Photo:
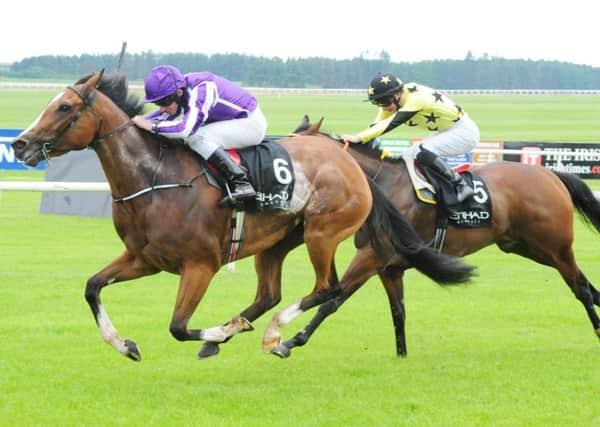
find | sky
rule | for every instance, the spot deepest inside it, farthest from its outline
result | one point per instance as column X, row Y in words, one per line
column 565, row 31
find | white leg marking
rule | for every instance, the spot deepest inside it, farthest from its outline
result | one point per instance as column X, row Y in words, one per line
column 289, row 313
column 272, row 336
column 216, row 334
column 108, row 331
column 221, row 333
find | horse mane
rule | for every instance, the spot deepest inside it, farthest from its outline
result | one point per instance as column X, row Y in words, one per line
column 374, row 152
column 115, row 87
column 369, row 149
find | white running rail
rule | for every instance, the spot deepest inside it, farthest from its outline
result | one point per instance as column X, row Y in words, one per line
column 53, row 186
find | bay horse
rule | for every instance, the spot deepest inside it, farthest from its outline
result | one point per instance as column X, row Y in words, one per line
column 532, row 216
column 166, row 213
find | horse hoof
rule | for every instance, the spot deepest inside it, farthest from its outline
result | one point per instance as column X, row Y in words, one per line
column 133, row 351
column 246, row 325
column 208, row 349
column 271, row 340
column 282, row 351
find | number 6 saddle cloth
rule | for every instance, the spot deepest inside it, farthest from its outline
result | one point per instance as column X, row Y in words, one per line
column 271, row 173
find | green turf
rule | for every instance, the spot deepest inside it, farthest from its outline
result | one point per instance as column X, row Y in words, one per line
column 505, row 118
column 508, row 118
column 514, row 348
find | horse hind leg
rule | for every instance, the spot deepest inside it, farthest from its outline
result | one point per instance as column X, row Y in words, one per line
column 588, row 297
column 580, row 286
column 321, row 252
column 595, row 294
column 283, row 350
column 360, row 270
column 394, row 287
column 564, row 261
column 328, row 220
column 268, row 265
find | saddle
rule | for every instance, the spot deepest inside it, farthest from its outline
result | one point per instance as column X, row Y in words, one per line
column 259, row 162
column 474, row 212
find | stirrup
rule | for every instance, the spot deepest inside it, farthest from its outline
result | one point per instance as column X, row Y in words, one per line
column 231, row 199
column 244, row 191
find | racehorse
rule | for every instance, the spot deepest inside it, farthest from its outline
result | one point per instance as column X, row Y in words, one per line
column 532, row 216
column 166, row 213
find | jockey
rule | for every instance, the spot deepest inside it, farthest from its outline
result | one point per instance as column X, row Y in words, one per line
column 210, row 114
column 418, row 105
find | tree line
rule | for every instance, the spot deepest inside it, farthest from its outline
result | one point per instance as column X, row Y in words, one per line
column 317, row 72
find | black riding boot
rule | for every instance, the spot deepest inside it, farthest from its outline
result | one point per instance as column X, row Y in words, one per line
column 239, row 184
column 437, row 164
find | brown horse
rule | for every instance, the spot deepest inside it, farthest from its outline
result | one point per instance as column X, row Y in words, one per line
column 183, row 231
column 532, row 217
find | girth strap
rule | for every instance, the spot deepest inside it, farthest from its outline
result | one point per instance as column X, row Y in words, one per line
column 236, row 235
column 441, row 228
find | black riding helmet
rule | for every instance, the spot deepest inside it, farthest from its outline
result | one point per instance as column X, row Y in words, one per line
column 383, row 86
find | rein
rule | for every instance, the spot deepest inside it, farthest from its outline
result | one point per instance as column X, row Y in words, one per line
column 154, row 187
column 50, row 146
column 112, row 132
column 346, row 147
column 374, row 178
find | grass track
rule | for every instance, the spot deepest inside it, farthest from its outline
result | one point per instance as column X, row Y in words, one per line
column 512, row 349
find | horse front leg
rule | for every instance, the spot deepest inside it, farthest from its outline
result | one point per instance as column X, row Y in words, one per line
column 195, row 278
column 194, row 282
column 125, row 267
column 268, row 265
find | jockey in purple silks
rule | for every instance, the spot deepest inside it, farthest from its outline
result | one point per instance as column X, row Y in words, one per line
column 210, row 114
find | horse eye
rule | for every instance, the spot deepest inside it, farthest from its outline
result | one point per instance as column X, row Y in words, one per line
column 64, row 108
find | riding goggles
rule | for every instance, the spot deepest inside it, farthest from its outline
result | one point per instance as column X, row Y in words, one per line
column 383, row 102
column 167, row 100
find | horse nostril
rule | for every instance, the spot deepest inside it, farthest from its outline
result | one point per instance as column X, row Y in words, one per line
column 19, row 144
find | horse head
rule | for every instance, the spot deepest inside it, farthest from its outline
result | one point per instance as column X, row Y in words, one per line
column 72, row 120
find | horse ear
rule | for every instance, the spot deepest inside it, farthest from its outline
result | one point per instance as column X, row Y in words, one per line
column 315, row 127
column 91, row 84
column 304, row 124
column 320, row 122
column 100, row 75
column 94, row 81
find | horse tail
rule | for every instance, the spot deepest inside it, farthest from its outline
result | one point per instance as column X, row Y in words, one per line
column 583, row 198
column 385, row 221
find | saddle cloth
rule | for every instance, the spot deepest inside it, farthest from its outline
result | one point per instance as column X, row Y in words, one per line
column 472, row 213
column 271, row 173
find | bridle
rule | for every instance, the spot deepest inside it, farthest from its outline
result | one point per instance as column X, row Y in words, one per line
column 50, row 146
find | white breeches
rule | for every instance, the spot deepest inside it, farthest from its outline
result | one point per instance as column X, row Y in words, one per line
column 235, row 133
column 460, row 138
